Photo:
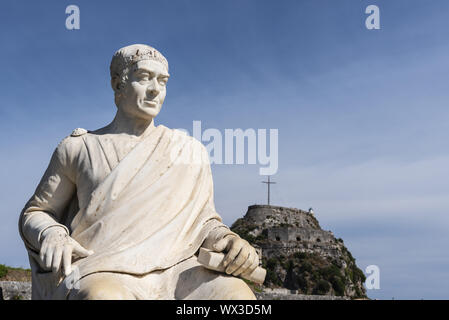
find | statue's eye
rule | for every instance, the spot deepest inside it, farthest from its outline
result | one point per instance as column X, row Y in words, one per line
column 143, row 76
column 163, row 81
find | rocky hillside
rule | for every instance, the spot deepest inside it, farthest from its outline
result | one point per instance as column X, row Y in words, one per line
column 14, row 274
column 298, row 254
column 15, row 283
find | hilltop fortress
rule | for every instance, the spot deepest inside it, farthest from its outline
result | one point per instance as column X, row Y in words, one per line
column 299, row 256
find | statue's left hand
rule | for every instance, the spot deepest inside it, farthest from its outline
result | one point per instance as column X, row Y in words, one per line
column 241, row 257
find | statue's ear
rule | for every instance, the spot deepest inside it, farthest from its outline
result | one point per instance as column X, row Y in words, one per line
column 115, row 83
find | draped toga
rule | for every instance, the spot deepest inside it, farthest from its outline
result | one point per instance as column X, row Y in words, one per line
column 139, row 212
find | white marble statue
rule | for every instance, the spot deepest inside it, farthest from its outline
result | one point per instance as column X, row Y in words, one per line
column 121, row 211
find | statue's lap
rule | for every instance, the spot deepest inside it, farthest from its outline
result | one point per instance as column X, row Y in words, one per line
column 186, row 280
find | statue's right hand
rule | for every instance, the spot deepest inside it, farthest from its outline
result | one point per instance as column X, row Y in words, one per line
column 57, row 248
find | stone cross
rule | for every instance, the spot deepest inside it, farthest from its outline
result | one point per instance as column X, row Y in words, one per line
column 268, row 184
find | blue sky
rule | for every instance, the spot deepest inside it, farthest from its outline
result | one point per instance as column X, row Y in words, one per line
column 362, row 115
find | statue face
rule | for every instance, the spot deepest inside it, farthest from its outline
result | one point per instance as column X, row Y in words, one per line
column 145, row 90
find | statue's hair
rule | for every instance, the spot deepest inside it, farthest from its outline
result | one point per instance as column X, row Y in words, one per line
column 125, row 57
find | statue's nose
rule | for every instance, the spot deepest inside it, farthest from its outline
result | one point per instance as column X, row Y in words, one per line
column 153, row 88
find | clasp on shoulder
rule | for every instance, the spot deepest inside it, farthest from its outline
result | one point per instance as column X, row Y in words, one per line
column 78, row 132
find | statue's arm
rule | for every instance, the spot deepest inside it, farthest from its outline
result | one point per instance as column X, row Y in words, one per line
column 221, row 230
column 45, row 208
column 240, row 256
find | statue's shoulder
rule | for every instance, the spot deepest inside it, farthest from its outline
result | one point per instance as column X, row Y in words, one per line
column 194, row 144
column 184, row 135
column 73, row 142
column 174, row 133
column 180, row 133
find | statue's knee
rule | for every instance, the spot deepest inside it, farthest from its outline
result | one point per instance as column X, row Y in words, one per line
column 103, row 289
column 242, row 291
column 232, row 288
column 106, row 291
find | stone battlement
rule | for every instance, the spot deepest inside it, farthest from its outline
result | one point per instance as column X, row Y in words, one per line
column 278, row 216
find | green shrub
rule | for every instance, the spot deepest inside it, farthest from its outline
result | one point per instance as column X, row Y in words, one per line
column 338, row 286
column 330, row 272
column 300, row 255
column 322, row 287
column 248, row 237
column 3, row 270
column 272, row 263
column 273, row 278
column 303, row 284
column 306, row 267
column 358, row 275
column 261, row 237
column 358, row 293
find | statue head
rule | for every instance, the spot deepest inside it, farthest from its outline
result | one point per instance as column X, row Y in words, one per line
column 139, row 75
